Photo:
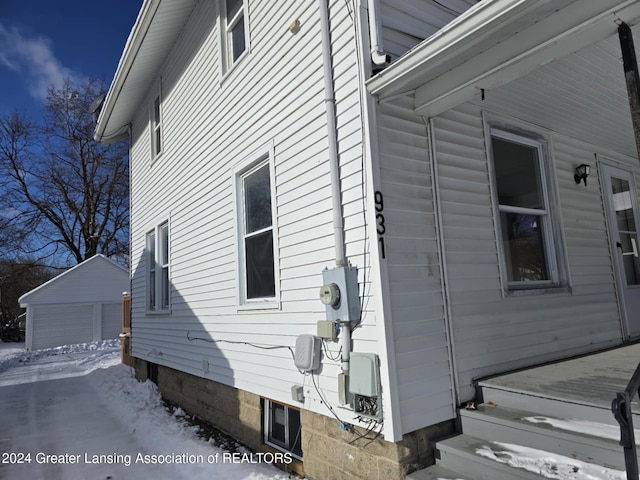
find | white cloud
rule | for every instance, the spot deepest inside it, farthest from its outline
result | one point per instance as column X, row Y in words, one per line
column 33, row 59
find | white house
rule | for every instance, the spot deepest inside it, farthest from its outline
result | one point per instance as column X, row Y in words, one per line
column 415, row 159
column 83, row 304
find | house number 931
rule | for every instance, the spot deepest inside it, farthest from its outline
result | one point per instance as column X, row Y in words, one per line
column 380, row 226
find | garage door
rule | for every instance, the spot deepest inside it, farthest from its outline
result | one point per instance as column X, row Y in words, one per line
column 64, row 325
column 111, row 320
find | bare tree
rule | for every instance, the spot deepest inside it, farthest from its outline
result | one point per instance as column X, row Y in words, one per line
column 67, row 191
column 17, row 277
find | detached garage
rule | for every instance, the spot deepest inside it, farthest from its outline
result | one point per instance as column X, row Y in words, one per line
column 83, row 304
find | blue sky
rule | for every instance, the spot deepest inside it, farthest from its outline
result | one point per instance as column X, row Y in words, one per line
column 44, row 41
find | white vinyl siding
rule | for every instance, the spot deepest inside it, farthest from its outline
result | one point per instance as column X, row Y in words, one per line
column 210, row 125
column 419, row 329
column 405, row 23
column 493, row 333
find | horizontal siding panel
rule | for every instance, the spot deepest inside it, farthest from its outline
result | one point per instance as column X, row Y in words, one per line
column 210, row 126
column 413, row 266
column 406, row 23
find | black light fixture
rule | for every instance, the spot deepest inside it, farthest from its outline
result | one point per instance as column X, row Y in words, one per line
column 582, row 172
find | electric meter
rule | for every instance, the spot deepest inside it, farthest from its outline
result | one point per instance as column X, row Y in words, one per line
column 330, row 294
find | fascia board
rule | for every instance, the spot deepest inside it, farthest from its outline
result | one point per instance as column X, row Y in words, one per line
column 129, row 54
column 455, row 40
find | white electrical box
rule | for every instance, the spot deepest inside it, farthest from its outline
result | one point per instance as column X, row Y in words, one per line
column 307, row 354
column 364, row 375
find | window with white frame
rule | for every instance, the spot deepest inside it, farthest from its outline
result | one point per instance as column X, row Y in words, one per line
column 257, row 233
column 156, row 127
column 522, row 191
column 282, row 428
column 158, row 288
column 234, row 30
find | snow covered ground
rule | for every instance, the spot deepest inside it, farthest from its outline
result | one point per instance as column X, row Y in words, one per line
column 75, row 412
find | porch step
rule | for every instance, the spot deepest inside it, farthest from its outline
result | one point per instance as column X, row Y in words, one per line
column 556, row 406
column 479, row 459
column 436, row 472
column 550, row 421
column 582, row 440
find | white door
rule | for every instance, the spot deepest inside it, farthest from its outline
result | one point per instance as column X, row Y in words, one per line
column 622, row 214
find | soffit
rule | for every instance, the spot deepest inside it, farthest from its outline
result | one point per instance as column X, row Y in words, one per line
column 582, row 95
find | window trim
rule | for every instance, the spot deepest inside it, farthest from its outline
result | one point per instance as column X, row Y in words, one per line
column 258, row 159
column 226, row 36
column 157, row 267
column 552, row 235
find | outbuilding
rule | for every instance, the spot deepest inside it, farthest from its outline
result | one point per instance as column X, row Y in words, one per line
column 83, row 304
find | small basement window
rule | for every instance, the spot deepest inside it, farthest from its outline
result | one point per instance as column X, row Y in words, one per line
column 282, row 428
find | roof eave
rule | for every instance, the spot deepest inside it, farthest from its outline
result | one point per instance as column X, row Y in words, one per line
column 129, row 54
column 495, row 42
column 158, row 26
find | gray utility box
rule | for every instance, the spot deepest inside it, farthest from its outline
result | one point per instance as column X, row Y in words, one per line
column 344, row 305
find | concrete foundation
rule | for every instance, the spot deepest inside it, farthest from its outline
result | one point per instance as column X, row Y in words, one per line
column 329, row 452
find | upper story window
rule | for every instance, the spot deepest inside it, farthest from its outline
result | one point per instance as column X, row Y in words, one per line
column 528, row 229
column 158, row 287
column 156, row 127
column 234, row 37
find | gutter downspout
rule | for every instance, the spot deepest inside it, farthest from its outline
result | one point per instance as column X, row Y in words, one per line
column 378, row 57
column 332, row 133
column 334, row 167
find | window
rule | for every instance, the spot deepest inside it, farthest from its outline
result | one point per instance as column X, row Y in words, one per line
column 158, row 288
column 234, row 36
column 526, row 227
column 156, row 127
column 282, row 428
column 257, row 233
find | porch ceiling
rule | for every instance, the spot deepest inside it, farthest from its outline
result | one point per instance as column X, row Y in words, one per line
column 582, row 95
column 501, row 41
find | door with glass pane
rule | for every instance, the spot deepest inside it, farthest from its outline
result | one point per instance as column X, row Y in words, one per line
column 622, row 205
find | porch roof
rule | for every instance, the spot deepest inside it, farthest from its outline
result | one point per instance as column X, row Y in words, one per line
column 495, row 42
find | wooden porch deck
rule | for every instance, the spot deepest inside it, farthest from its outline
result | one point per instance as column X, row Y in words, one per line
column 590, row 380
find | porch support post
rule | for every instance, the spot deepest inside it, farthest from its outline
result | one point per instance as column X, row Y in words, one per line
column 632, row 78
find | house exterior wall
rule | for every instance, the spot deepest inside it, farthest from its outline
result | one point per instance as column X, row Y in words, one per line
column 419, row 332
column 494, row 332
column 211, row 124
